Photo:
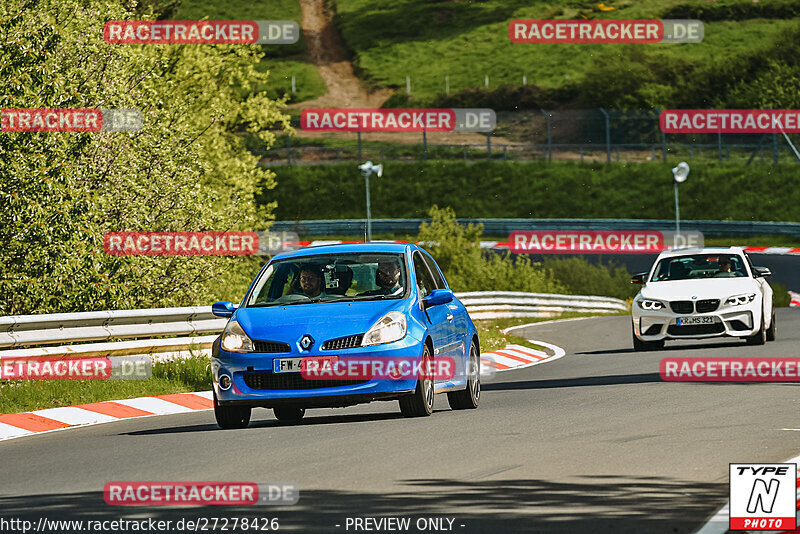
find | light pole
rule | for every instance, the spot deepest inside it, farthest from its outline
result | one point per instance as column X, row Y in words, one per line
column 366, row 169
column 679, row 175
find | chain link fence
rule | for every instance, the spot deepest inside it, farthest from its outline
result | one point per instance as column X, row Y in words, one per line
column 586, row 135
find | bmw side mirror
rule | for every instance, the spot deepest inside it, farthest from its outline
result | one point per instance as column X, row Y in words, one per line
column 762, row 272
column 638, row 278
column 437, row 297
column 223, row 309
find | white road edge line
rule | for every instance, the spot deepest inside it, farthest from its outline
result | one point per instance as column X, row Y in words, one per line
column 719, row 522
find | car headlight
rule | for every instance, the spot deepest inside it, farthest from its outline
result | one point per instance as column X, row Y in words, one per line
column 648, row 304
column 390, row 327
column 234, row 339
column 738, row 300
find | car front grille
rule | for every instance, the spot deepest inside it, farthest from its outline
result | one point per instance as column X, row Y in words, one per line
column 695, row 329
column 682, row 306
column 284, row 381
column 348, row 342
column 709, row 305
column 271, row 346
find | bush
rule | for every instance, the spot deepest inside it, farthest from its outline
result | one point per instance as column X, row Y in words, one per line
column 781, row 297
column 457, row 250
column 580, row 277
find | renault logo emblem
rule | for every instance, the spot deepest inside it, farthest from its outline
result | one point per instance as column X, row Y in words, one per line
column 306, row 342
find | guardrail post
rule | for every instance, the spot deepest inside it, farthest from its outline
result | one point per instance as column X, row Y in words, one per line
column 608, row 135
column 359, row 146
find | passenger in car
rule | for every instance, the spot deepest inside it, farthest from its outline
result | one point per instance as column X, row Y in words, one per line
column 387, row 278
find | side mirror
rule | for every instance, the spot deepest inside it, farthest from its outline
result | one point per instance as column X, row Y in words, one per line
column 437, row 296
column 223, row 309
column 762, row 272
column 638, row 278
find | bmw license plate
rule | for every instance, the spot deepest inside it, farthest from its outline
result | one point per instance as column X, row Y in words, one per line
column 680, row 321
column 286, row 365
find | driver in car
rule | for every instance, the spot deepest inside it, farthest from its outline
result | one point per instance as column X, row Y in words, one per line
column 725, row 268
column 311, row 282
column 387, row 278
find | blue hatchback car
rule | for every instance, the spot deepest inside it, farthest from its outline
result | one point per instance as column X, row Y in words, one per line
column 376, row 301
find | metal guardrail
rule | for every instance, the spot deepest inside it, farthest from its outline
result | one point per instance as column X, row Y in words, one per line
column 506, row 226
column 33, row 331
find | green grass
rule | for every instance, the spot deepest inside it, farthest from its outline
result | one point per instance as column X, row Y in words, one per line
column 467, row 41
column 283, row 61
column 179, row 376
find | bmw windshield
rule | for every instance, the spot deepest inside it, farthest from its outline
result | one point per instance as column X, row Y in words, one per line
column 330, row 278
column 700, row 266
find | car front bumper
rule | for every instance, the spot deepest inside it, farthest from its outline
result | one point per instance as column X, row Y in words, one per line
column 734, row 321
column 253, row 383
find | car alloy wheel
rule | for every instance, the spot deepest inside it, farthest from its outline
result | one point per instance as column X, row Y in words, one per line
column 468, row 398
column 420, row 403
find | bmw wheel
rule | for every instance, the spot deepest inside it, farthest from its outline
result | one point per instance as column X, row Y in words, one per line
column 771, row 329
column 760, row 337
column 420, row 403
column 467, row 399
column 231, row 416
column 639, row 345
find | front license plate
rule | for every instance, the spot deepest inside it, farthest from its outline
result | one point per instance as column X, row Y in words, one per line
column 286, row 365
column 680, row 321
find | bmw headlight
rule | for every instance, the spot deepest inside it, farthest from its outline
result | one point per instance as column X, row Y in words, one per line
column 648, row 304
column 390, row 327
column 234, row 339
column 738, row 300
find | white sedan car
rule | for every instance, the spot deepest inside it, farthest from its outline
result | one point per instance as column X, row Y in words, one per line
column 702, row 293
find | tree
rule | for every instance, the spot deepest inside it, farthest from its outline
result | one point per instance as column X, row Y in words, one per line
column 187, row 169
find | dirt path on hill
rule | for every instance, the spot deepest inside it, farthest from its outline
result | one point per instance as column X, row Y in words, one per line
column 326, row 51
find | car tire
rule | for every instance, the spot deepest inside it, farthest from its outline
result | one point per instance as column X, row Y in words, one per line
column 640, row 346
column 420, row 403
column 469, row 397
column 771, row 329
column 231, row 416
column 760, row 337
column 290, row 415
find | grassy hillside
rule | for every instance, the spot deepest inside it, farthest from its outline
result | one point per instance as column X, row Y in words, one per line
column 467, row 41
column 283, row 61
column 532, row 189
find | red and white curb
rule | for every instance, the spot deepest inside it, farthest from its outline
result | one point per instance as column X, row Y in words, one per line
column 795, row 298
column 16, row 425
column 514, row 357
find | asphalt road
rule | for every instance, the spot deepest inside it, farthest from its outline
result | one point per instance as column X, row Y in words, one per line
column 592, row 442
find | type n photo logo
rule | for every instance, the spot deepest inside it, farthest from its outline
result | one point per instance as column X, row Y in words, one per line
column 763, row 496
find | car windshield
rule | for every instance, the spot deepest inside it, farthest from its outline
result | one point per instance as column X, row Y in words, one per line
column 699, row 266
column 330, row 278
